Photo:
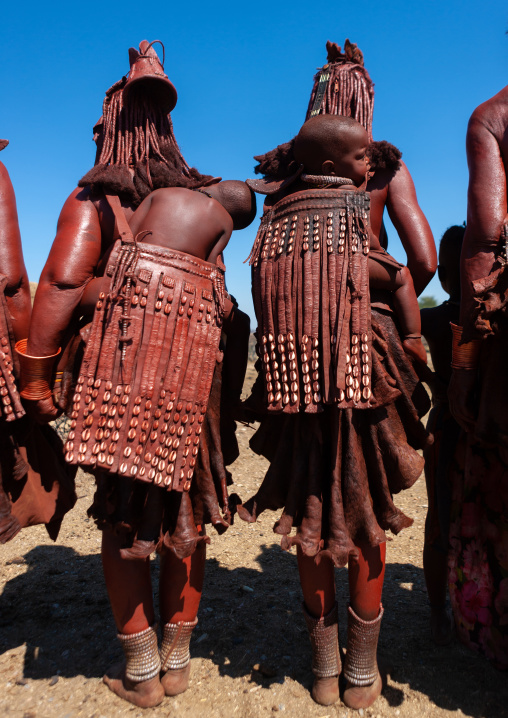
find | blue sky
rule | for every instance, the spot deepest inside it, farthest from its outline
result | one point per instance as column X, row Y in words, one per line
column 244, row 75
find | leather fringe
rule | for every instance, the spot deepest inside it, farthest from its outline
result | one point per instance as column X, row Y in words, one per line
column 311, row 296
column 144, row 383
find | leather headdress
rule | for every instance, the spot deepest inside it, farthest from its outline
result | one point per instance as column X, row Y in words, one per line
column 147, row 76
column 343, row 86
column 352, row 53
column 3, row 144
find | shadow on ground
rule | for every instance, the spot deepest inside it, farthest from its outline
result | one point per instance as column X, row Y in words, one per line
column 59, row 608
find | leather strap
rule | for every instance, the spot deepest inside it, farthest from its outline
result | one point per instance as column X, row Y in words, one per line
column 122, row 229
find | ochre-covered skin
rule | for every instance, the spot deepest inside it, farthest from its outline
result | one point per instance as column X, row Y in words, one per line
column 331, row 148
column 17, row 290
column 157, row 519
column 349, row 91
column 487, row 156
column 84, row 240
column 82, row 244
column 396, row 192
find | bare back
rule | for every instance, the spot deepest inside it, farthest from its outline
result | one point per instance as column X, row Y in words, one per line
column 487, row 201
column 186, row 220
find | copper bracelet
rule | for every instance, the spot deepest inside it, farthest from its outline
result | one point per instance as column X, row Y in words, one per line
column 35, row 373
column 464, row 356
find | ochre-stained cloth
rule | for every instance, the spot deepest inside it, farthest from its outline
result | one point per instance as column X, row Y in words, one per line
column 149, row 517
column 36, row 485
column 334, row 473
column 478, row 559
column 491, row 323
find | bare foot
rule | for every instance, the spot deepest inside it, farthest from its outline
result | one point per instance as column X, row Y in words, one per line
column 440, row 625
column 176, row 681
column 357, row 697
column 146, row 694
column 325, row 691
column 414, row 347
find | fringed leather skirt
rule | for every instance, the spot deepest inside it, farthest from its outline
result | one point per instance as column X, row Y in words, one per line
column 334, row 473
column 150, row 518
column 146, row 417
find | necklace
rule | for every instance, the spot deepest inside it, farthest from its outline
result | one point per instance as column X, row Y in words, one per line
column 326, row 179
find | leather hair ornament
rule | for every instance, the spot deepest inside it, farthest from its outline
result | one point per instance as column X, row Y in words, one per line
column 147, row 76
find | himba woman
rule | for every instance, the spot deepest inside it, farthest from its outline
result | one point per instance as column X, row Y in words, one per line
column 340, row 398
column 139, row 418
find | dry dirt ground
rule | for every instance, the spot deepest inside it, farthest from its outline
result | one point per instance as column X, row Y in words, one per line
column 57, row 635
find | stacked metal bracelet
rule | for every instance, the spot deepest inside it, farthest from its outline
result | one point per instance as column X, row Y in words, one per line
column 35, row 373
column 176, row 637
column 141, row 654
column 464, row 356
column 360, row 666
column 323, row 634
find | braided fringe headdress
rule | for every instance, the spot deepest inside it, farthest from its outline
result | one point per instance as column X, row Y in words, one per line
column 343, row 86
column 137, row 134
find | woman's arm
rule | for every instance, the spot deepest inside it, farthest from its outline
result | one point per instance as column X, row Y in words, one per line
column 412, row 227
column 70, row 266
column 17, row 292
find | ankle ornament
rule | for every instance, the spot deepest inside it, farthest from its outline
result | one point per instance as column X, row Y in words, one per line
column 360, row 665
column 141, row 655
column 175, row 653
column 323, row 634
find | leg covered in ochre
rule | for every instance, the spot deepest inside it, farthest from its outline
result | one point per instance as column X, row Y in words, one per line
column 320, row 611
column 130, row 593
column 363, row 682
column 181, row 584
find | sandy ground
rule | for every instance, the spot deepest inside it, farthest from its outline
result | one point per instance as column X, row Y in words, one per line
column 57, row 635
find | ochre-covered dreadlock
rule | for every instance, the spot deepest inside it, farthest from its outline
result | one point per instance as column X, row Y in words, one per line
column 137, row 136
column 341, row 87
column 278, row 163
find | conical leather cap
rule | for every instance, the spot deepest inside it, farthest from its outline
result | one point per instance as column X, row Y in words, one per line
column 147, row 77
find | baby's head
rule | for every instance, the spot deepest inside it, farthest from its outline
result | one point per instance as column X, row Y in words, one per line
column 237, row 199
column 333, row 145
column 448, row 269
